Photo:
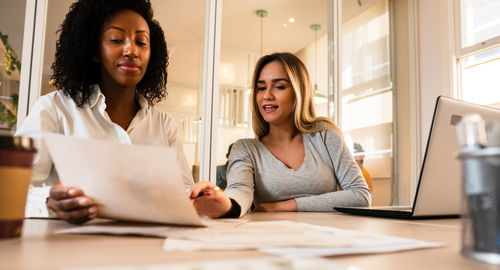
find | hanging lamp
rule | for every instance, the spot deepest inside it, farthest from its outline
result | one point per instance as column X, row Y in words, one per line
column 318, row 97
column 261, row 13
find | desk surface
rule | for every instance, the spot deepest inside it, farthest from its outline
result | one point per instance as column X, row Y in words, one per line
column 38, row 248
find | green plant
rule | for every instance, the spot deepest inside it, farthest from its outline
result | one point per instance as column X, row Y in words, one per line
column 10, row 57
column 8, row 105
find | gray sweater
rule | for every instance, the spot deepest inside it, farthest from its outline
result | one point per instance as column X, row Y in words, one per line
column 255, row 175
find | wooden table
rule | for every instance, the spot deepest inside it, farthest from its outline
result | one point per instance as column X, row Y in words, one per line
column 39, row 248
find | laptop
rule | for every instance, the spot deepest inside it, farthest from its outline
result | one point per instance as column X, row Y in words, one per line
column 439, row 189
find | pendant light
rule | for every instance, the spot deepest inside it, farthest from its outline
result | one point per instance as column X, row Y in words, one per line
column 261, row 13
column 318, row 97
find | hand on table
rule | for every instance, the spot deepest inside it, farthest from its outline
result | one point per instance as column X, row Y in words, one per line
column 214, row 203
column 71, row 204
column 283, row 206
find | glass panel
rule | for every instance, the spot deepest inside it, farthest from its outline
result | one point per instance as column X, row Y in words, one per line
column 480, row 20
column 480, row 78
column 285, row 28
column 366, row 94
column 11, row 44
column 183, row 23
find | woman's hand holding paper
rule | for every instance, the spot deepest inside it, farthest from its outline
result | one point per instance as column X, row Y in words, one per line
column 71, row 204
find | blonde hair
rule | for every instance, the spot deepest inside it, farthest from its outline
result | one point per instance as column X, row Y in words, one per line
column 304, row 114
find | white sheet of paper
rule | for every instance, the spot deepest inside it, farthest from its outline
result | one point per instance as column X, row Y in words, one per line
column 250, row 235
column 148, row 229
column 129, row 182
column 359, row 243
column 287, row 238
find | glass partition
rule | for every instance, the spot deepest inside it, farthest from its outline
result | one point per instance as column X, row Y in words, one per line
column 366, row 93
column 255, row 28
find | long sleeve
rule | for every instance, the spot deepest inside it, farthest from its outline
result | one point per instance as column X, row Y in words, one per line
column 354, row 190
column 240, row 177
column 41, row 119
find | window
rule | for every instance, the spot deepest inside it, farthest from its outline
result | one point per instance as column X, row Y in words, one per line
column 478, row 51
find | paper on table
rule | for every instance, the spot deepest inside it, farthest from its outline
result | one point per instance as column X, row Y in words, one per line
column 129, row 182
column 148, row 229
column 262, row 263
column 287, row 238
column 360, row 243
column 120, row 228
column 251, row 235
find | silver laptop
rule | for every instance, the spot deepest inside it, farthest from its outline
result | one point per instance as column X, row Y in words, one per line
column 439, row 189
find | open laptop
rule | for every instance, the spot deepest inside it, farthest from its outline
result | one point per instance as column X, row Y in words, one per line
column 439, row 189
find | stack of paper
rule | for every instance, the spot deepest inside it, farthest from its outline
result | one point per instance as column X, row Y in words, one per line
column 287, row 238
column 251, row 235
column 283, row 238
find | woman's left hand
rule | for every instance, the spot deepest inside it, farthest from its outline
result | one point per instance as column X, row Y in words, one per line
column 283, row 206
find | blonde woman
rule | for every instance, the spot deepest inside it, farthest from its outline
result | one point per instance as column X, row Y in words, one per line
column 297, row 162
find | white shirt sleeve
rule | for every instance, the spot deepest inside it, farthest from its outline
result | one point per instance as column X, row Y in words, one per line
column 41, row 119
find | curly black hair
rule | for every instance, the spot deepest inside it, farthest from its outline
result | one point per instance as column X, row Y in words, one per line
column 74, row 68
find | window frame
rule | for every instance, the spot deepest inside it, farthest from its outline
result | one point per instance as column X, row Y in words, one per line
column 461, row 52
column 32, row 59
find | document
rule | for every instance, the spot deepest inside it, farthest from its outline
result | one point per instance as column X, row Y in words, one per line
column 250, row 235
column 128, row 182
column 282, row 238
column 359, row 243
column 287, row 238
column 113, row 227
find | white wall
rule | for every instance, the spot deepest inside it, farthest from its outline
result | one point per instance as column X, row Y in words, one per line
column 435, row 56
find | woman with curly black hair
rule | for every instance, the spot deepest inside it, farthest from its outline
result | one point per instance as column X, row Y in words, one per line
column 111, row 68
